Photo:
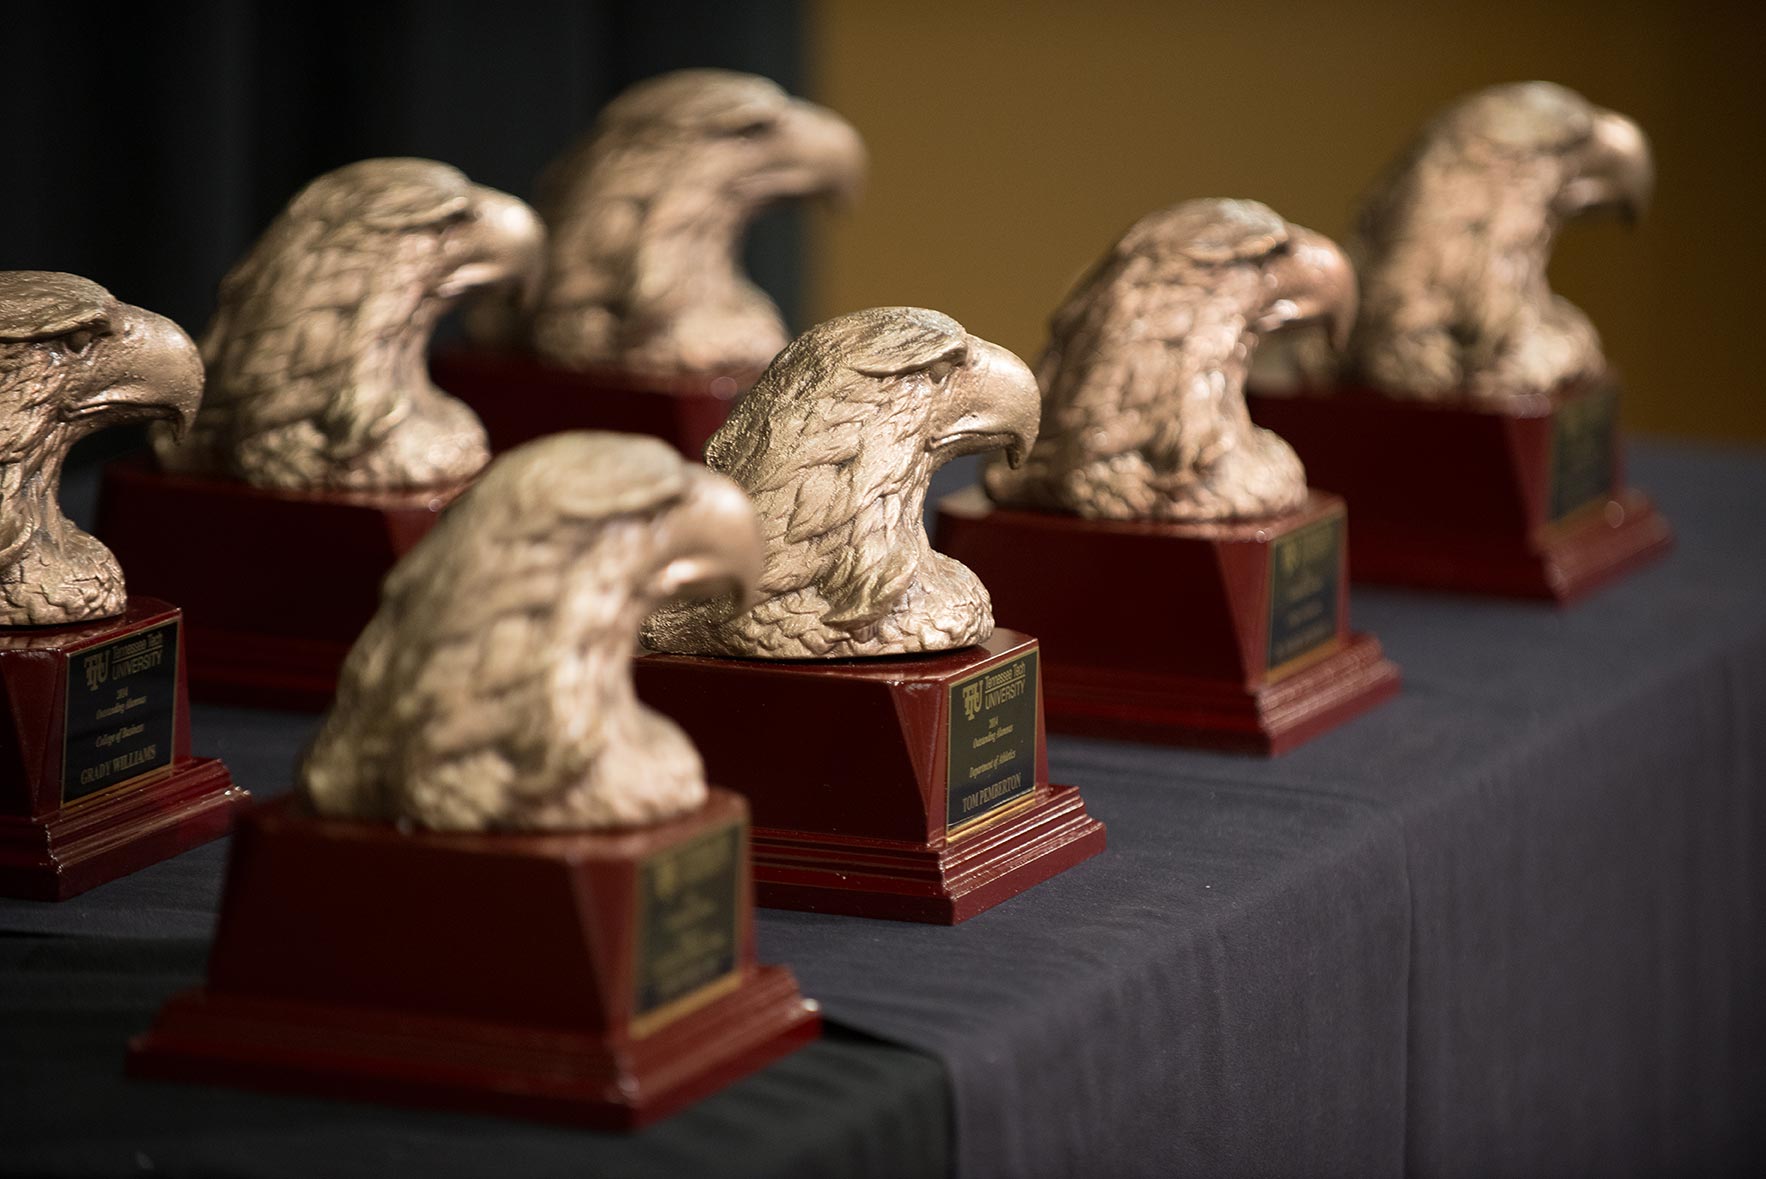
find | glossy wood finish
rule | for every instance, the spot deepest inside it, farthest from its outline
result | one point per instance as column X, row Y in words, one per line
column 1160, row 632
column 275, row 585
column 844, row 763
column 487, row 972
column 1456, row 496
column 50, row 850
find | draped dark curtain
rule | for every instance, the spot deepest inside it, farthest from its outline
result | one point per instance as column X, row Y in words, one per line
column 150, row 143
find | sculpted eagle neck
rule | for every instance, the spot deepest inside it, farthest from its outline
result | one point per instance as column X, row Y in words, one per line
column 51, row 572
column 1456, row 239
column 492, row 689
column 837, row 444
column 671, row 288
column 917, row 600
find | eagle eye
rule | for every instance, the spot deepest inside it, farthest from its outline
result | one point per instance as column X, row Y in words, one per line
column 76, row 342
column 939, row 371
column 753, row 130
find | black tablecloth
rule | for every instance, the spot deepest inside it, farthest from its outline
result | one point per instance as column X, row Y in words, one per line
column 1509, row 924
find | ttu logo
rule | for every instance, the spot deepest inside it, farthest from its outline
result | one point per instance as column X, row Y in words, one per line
column 97, row 671
column 971, row 700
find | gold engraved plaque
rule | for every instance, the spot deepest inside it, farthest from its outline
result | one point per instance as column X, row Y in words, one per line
column 689, row 907
column 991, row 761
column 1305, row 582
column 122, row 710
column 1583, row 442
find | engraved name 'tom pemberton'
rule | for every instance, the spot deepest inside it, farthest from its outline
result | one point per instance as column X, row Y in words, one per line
column 837, row 444
column 317, row 353
column 1143, row 414
column 73, row 360
column 1453, row 244
column 493, row 688
column 647, row 214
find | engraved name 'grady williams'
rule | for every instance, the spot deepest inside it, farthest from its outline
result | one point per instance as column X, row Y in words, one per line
column 121, row 681
column 122, row 762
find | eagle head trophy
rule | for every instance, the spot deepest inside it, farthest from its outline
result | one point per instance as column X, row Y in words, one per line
column 1453, row 244
column 73, row 360
column 647, row 215
column 1143, row 411
column 493, row 688
column 836, row 445
column 317, row 367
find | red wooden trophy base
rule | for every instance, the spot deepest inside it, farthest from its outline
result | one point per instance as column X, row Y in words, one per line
column 1184, row 634
column 1522, row 502
column 276, row 585
column 847, row 765
column 520, row 398
column 96, row 777
column 500, row 973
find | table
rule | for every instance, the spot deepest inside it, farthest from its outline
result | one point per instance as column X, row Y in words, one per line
column 1509, row 924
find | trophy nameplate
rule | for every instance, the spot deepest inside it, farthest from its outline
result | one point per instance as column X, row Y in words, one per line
column 881, row 793
column 993, row 734
column 1303, row 590
column 544, row 998
column 1526, row 499
column 122, row 710
column 1584, row 448
column 96, row 775
column 1232, row 636
column 689, row 927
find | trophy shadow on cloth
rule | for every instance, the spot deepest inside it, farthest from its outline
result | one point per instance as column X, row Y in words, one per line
column 888, row 738
column 96, row 774
column 1474, row 425
column 1188, row 586
column 322, row 452
column 645, row 322
column 503, row 885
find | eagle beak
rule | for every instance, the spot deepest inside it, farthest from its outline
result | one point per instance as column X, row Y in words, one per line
column 819, row 153
column 1312, row 281
column 505, row 243
column 1617, row 172
column 992, row 404
column 146, row 368
column 717, row 547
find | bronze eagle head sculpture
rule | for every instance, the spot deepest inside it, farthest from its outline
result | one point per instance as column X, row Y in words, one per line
column 1454, row 240
column 493, row 689
column 1143, row 410
column 73, row 360
column 317, row 353
column 647, row 215
column 836, row 445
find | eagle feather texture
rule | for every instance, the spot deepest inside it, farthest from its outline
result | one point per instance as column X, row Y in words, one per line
column 647, row 214
column 73, row 360
column 1454, row 240
column 493, row 690
column 317, row 351
column 50, row 571
column 1143, row 413
column 835, row 445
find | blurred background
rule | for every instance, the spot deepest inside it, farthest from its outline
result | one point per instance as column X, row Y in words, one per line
column 1010, row 142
